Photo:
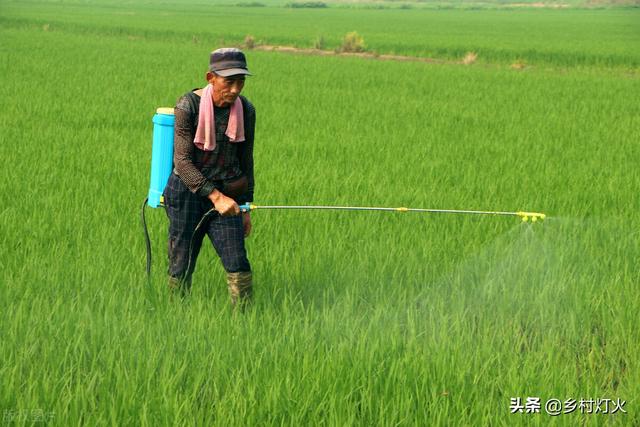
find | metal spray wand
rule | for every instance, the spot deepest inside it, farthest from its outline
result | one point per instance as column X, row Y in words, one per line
column 534, row 216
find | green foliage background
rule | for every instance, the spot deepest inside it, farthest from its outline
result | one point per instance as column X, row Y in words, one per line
column 360, row 318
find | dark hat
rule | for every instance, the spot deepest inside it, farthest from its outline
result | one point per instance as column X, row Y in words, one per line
column 228, row 61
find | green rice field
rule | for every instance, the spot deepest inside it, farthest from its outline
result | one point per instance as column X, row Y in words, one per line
column 360, row 318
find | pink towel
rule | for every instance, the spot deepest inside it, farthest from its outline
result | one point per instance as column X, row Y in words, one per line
column 206, row 133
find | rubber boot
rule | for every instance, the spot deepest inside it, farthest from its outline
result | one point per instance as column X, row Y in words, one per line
column 240, row 289
column 179, row 288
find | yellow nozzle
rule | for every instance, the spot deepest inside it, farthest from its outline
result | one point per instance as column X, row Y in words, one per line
column 402, row 209
column 533, row 215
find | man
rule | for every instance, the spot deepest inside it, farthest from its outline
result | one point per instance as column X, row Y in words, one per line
column 213, row 168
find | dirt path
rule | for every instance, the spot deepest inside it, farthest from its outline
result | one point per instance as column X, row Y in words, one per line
column 367, row 55
column 469, row 59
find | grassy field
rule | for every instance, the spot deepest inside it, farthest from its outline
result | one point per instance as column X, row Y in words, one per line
column 360, row 318
column 550, row 38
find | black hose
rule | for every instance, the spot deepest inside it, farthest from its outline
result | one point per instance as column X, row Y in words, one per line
column 191, row 241
column 148, row 240
column 146, row 237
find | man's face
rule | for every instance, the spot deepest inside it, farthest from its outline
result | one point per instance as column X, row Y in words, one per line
column 226, row 89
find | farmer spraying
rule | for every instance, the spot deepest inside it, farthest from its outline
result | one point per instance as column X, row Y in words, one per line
column 208, row 187
column 213, row 173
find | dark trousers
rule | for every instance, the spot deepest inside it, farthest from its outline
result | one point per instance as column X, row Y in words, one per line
column 185, row 210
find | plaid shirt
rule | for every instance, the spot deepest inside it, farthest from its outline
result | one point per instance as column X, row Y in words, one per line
column 203, row 171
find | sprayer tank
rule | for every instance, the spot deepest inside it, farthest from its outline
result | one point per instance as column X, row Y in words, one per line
column 161, row 154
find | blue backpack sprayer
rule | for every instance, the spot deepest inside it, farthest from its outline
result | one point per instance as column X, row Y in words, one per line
column 162, row 165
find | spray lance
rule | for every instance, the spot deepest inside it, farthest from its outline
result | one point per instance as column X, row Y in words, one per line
column 534, row 216
column 162, row 165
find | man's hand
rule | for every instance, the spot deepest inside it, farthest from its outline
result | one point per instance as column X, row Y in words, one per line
column 246, row 223
column 224, row 205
